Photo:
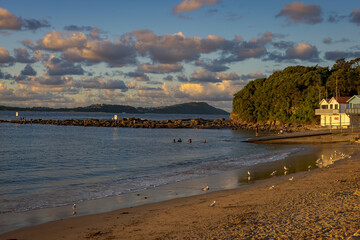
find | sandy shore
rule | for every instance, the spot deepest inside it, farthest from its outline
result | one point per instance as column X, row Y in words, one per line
column 318, row 204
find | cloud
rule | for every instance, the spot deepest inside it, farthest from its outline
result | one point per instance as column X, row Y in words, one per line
column 5, row 56
column 283, row 44
column 241, row 50
column 300, row 51
column 173, row 48
column 99, row 83
column 5, row 76
column 160, row 68
column 139, row 76
column 222, row 91
column 335, row 18
column 23, row 56
column 168, row 78
column 28, row 71
column 212, row 65
column 252, row 76
column 335, row 55
column 202, row 75
column 182, row 78
column 32, row 96
column 191, row 5
column 329, row 40
column 58, row 41
column 33, row 24
column 299, row 12
column 11, row 22
column 76, row 47
column 355, row 16
column 57, row 66
column 76, row 28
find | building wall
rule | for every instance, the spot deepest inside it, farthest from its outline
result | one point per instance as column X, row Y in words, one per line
column 338, row 120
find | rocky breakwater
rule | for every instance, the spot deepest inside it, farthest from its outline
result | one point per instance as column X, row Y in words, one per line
column 134, row 122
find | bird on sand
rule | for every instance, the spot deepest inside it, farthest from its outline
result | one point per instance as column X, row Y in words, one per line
column 213, row 204
column 273, row 173
column 292, row 178
column 272, row 187
column 205, row 188
column 285, row 168
column 249, row 176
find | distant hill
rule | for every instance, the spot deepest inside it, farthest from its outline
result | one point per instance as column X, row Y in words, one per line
column 185, row 108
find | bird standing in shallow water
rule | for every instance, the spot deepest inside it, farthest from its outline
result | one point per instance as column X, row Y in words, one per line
column 74, row 209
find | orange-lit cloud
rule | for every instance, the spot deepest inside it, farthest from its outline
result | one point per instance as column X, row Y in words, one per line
column 4, row 55
column 160, row 68
column 9, row 20
column 191, row 5
column 299, row 12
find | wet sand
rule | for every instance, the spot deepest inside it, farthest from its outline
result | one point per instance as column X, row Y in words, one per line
column 318, row 204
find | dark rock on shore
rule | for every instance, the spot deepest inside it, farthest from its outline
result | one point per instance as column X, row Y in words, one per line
column 198, row 123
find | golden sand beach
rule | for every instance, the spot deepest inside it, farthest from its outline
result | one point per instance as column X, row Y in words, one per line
column 323, row 203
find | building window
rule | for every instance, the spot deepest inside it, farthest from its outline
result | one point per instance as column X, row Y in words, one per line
column 336, row 106
column 331, row 106
column 324, row 106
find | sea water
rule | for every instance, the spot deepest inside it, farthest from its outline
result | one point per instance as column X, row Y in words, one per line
column 48, row 166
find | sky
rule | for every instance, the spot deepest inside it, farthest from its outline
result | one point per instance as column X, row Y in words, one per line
column 162, row 52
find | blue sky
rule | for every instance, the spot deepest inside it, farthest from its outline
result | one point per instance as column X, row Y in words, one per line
column 156, row 53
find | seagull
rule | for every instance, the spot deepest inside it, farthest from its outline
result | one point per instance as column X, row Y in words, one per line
column 249, row 173
column 74, row 209
column 285, row 168
column 213, row 204
column 309, row 167
column 205, row 188
column 272, row 187
column 292, row 178
column 273, row 173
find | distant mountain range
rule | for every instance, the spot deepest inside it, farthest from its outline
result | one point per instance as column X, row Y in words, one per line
column 185, row 108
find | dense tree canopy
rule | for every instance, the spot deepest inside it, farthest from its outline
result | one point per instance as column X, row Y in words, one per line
column 293, row 94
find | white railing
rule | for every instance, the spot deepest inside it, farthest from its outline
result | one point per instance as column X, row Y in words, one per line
column 351, row 111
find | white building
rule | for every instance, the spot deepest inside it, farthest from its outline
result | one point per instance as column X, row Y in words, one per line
column 353, row 110
column 333, row 112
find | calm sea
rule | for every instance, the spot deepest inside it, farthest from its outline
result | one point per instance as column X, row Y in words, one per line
column 47, row 166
